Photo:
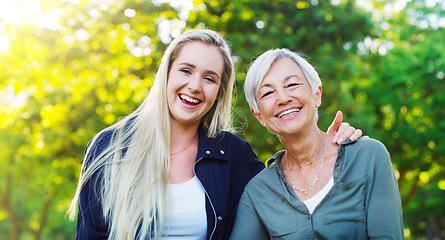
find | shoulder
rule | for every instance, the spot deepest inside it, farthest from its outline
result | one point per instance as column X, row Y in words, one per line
column 234, row 142
column 268, row 177
column 239, row 152
column 365, row 153
column 232, row 147
column 263, row 185
column 103, row 138
column 229, row 137
column 366, row 145
column 97, row 145
column 263, row 177
column 369, row 142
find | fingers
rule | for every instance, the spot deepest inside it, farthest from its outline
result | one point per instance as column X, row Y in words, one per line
column 336, row 123
column 358, row 133
column 343, row 130
column 343, row 133
column 347, row 132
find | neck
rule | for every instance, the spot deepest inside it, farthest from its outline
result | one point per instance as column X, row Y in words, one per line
column 304, row 149
column 182, row 136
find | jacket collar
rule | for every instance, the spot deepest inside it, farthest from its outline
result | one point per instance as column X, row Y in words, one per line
column 215, row 148
column 276, row 158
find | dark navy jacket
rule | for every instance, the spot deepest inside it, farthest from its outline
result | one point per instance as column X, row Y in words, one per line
column 224, row 165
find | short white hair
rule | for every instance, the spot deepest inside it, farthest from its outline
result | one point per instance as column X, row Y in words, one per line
column 261, row 66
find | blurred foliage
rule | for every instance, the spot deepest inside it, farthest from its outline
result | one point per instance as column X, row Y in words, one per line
column 62, row 81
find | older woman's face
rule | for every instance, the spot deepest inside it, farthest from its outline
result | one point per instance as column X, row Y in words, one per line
column 285, row 99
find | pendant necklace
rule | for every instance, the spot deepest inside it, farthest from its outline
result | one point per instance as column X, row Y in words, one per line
column 306, row 190
column 172, row 155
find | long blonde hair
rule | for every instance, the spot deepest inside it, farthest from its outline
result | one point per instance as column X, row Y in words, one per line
column 134, row 166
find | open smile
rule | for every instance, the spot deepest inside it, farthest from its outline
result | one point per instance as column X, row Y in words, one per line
column 189, row 100
column 288, row 112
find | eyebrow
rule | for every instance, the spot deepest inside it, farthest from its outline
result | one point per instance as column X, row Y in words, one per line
column 285, row 79
column 193, row 66
column 289, row 77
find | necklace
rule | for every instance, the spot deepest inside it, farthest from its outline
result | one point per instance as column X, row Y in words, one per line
column 306, row 190
column 172, row 155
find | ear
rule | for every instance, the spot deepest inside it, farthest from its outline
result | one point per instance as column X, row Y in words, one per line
column 318, row 96
column 258, row 117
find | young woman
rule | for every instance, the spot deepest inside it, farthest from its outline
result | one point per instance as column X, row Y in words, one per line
column 171, row 170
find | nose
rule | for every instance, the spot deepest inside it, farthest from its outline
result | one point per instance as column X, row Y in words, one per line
column 283, row 97
column 195, row 84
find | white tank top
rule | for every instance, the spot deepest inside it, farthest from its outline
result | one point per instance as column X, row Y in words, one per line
column 312, row 202
column 187, row 217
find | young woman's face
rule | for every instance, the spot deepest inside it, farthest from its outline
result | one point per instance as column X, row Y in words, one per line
column 285, row 100
column 193, row 82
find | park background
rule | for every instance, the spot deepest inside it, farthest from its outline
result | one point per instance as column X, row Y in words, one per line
column 69, row 68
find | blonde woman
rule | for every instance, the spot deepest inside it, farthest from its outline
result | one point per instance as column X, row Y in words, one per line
column 171, row 170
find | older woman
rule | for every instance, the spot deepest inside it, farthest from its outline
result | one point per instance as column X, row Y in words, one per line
column 314, row 189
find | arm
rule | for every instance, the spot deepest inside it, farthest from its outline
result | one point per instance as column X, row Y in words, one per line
column 384, row 211
column 91, row 223
column 343, row 130
column 244, row 168
column 247, row 223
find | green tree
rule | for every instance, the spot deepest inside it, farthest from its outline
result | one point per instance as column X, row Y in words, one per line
column 63, row 81
column 58, row 88
column 401, row 93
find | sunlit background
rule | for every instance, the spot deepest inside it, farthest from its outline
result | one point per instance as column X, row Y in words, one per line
column 69, row 68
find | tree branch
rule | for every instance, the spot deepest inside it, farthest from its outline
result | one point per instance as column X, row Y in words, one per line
column 44, row 216
column 411, row 193
column 213, row 11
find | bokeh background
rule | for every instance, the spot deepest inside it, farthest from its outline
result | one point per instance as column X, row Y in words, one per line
column 69, row 68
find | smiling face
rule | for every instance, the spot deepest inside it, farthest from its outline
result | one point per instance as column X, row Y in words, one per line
column 285, row 100
column 193, row 82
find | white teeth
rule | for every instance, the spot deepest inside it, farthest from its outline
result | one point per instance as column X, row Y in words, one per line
column 189, row 99
column 287, row 112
